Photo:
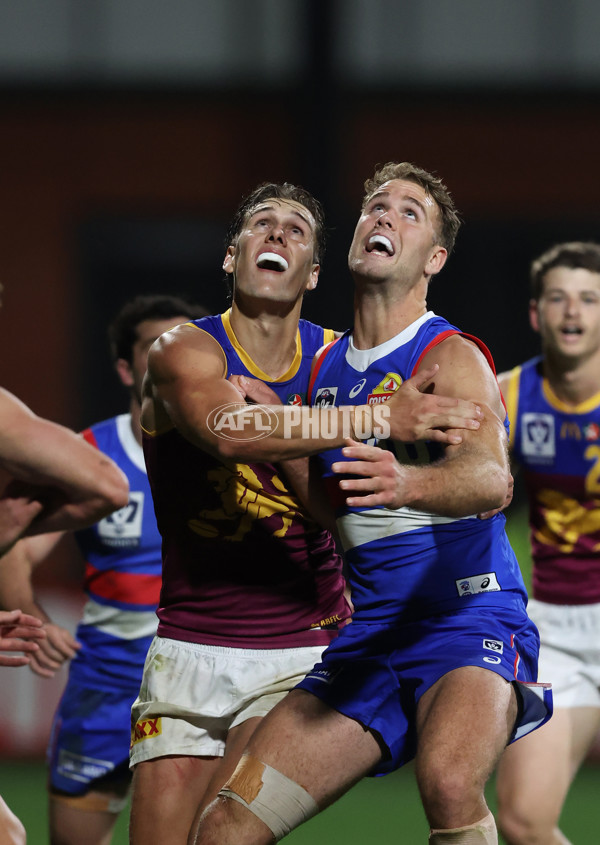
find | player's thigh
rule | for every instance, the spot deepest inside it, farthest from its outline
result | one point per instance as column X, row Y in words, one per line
column 463, row 699
column 165, row 795
column 534, row 774
column 237, row 739
column 315, row 746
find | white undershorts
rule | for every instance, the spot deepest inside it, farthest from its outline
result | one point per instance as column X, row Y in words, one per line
column 191, row 695
column 569, row 652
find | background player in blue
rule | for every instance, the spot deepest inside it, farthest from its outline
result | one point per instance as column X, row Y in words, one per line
column 440, row 635
column 553, row 403
column 89, row 748
column 49, row 479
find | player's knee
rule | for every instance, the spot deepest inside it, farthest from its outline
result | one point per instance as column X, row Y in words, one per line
column 482, row 832
column 280, row 803
column 520, row 828
column 225, row 821
column 443, row 789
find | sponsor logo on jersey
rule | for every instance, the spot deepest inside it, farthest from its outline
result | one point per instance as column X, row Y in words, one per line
column 357, row 388
column 485, row 583
column 326, row 396
column 146, row 729
column 295, row 399
column 570, row 431
column 386, row 388
column 591, row 431
column 80, row 768
column 537, row 438
column 494, row 645
column 124, row 527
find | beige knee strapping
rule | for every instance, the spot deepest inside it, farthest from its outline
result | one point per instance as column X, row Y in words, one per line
column 482, row 832
column 281, row 803
column 92, row 802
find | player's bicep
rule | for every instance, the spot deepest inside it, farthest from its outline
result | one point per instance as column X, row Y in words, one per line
column 187, row 381
column 465, row 373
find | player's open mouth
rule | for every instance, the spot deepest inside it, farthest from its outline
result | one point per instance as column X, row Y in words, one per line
column 272, row 261
column 379, row 243
column 571, row 330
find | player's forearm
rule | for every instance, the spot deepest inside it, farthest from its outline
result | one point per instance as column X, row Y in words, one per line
column 16, row 589
column 276, row 432
column 456, row 487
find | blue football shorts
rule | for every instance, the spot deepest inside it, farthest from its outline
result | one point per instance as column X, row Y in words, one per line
column 377, row 673
column 90, row 739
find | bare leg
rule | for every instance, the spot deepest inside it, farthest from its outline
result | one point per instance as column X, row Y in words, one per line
column 464, row 722
column 535, row 773
column 12, row 831
column 237, row 739
column 85, row 820
column 166, row 794
column 318, row 748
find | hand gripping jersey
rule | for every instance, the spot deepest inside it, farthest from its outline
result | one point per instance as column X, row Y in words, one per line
column 123, row 571
column 558, row 448
column 244, row 565
column 407, row 564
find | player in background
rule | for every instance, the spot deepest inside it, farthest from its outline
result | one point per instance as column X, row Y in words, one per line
column 121, row 557
column 554, row 407
column 49, row 479
column 252, row 585
column 440, row 642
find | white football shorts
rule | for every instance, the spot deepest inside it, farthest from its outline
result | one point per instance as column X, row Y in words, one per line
column 570, row 651
column 191, row 695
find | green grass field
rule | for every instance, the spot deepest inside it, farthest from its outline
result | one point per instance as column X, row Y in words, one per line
column 385, row 811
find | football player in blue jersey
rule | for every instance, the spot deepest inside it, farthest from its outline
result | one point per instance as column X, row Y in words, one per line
column 440, row 637
column 554, row 408
column 121, row 554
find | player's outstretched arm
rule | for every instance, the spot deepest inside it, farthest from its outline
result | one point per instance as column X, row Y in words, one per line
column 17, row 590
column 186, row 387
column 77, row 484
column 19, row 632
column 472, row 478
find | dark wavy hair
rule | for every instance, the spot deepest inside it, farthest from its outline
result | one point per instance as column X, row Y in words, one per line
column 122, row 331
column 574, row 255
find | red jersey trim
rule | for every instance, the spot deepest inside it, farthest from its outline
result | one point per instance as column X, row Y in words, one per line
column 319, row 358
column 88, row 435
column 122, row 586
column 479, row 343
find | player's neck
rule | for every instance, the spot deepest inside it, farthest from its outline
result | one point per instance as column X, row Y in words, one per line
column 268, row 336
column 575, row 382
column 380, row 314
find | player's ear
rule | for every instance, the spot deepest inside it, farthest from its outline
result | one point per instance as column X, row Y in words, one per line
column 124, row 372
column 436, row 260
column 229, row 260
column 314, row 277
column 534, row 317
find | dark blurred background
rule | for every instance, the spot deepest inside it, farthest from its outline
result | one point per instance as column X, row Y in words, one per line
column 130, row 129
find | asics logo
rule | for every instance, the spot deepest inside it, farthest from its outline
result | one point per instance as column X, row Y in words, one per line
column 357, row 388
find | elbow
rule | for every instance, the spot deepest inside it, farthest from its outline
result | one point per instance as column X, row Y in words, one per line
column 497, row 490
